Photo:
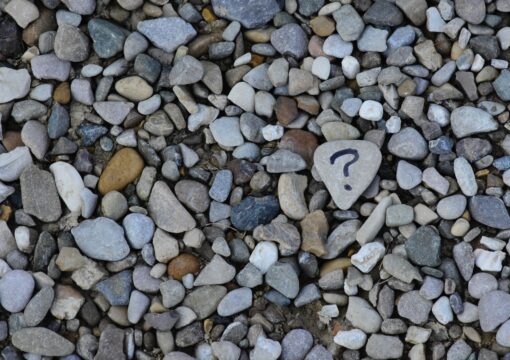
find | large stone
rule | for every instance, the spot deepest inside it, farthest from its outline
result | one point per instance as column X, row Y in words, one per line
column 108, row 38
column 166, row 210
column 122, row 169
column 101, row 239
column 14, row 162
column 490, row 211
column 42, row 341
column 39, row 194
column 362, row 315
column 16, row 289
column 14, row 84
column 468, row 120
column 424, row 247
column 167, row 33
column 493, row 310
column 69, row 184
column 251, row 14
column 71, row 44
column 347, row 168
column 473, row 11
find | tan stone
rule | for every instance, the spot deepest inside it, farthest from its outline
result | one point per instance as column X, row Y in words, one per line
column 62, row 93
column 182, row 265
column 314, row 231
column 134, row 88
column 322, row 25
column 123, row 168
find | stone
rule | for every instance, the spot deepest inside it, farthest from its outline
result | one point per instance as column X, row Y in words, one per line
column 10, row 44
column 414, row 307
column 16, row 289
column 493, row 310
column 371, row 110
column 107, row 38
column 22, row 11
column 264, row 255
column 251, row 15
column 373, row 39
column 226, row 131
column 38, row 307
column 291, row 189
column 50, row 67
column 187, row 70
column 39, row 194
column 408, row 144
column 384, row 347
column 290, row 40
column 490, row 211
column 467, row 120
column 349, row 24
column 216, row 272
column 58, row 123
column 34, row 135
column 111, row 342
column 117, row 288
column 41, row 341
column 266, row 349
column 204, row 300
column 69, row 184
column 371, row 227
column 139, row 229
column 368, row 256
column 85, row 7
column 113, row 112
column 71, row 44
column 360, row 157
column 472, row 11
column 101, row 239
column 335, row 46
column 252, row 211
column 501, row 85
column 442, row 310
column 235, row 301
column 362, row 315
column 400, row 268
column 282, row 277
column 243, row 95
column 341, row 238
column 167, row 33
column 353, row 339
column 14, row 84
column 296, row 344
column 67, row 302
column 465, row 176
column 123, row 168
column 134, row 88
column 424, row 247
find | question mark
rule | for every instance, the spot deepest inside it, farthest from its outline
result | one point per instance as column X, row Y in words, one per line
column 341, row 153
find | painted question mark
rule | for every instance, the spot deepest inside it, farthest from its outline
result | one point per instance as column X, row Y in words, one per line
column 341, row 153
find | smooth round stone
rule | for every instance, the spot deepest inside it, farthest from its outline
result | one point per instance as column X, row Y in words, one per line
column 187, row 70
column 252, row 14
column 138, row 305
column 235, row 301
column 69, row 184
column 172, row 293
column 68, row 17
column 493, row 310
column 252, row 211
column 91, row 70
column 71, row 44
column 16, row 288
column 82, row 7
column 139, row 229
column 134, row 88
column 101, row 239
column 468, row 120
column 149, row 106
column 473, row 11
column 22, row 11
column 371, row 110
column 135, row 44
column 408, row 144
column 414, row 307
column 226, row 131
column 42, row 92
column 481, row 284
column 264, row 255
column 59, row 121
column 424, row 247
column 282, row 277
column 243, row 95
column 351, row 339
column 50, row 67
column 503, row 334
column 130, row 4
column 451, row 207
column 296, row 344
column 490, row 211
column 13, row 163
column 114, row 205
column 266, row 349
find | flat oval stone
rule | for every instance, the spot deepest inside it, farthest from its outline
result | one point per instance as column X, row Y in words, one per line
column 16, row 289
column 235, row 301
column 251, row 14
column 42, row 341
column 101, row 239
column 347, row 168
column 69, row 184
column 122, row 169
column 490, row 211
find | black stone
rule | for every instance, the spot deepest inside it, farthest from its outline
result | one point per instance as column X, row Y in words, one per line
column 252, row 211
column 424, row 247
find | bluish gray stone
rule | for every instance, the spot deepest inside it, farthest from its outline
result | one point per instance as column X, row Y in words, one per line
column 108, row 38
column 58, row 123
column 252, row 211
column 167, row 33
column 424, row 247
column 490, row 211
column 117, row 288
column 251, row 14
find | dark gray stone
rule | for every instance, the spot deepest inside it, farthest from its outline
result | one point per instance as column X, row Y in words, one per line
column 490, row 211
column 251, row 14
column 424, row 247
column 117, row 288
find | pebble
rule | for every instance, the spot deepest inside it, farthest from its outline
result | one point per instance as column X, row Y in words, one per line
column 39, row 194
column 22, row 11
column 353, row 339
column 424, row 247
column 490, row 211
column 139, row 229
column 368, row 256
column 69, row 184
column 414, row 307
column 408, row 144
column 296, row 344
column 344, row 191
column 123, row 168
column 167, row 33
column 266, row 349
column 226, row 131
column 235, row 301
column 251, row 212
column 493, row 309
column 290, row 40
column 134, row 88
column 16, row 288
column 336, row 47
column 14, row 84
column 101, row 239
column 282, row 277
column 384, row 347
column 362, row 316
column 71, row 44
column 107, row 38
column 216, row 272
column 42, row 341
column 250, row 15
column 50, row 67
column 464, row 124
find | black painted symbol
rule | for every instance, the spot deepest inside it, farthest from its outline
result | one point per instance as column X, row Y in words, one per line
column 341, row 153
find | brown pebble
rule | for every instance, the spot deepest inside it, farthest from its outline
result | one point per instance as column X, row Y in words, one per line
column 308, row 103
column 62, row 93
column 301, row 142
column 12, row 139
column 286, row 110
column 182, row 265
column 322, row 25
column 122, row 169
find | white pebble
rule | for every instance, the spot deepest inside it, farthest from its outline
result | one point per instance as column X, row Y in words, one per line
column 264, row 255
column 371, row 110
column 321, row 67
column 272, row 132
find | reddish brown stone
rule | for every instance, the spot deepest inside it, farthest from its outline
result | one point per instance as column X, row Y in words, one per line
column 242, row 170
column 308, row 103
column 301, row 142
column 286, row 110
column 12, row 139
column 182, row 265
